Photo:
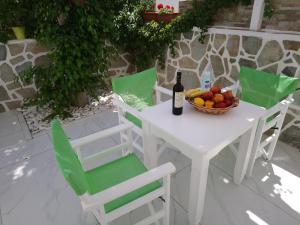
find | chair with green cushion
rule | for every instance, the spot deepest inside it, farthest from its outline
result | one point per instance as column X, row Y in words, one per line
column 117, row 187
column 133, row 93
column 274, row 93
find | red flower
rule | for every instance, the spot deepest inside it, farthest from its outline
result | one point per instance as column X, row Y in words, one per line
column 172, row 8
column 160, row 6
column 168, row 7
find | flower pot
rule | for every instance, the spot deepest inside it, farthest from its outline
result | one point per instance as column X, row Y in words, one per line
column 19, row 32
column 165, row 18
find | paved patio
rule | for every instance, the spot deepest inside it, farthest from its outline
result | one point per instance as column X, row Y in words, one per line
column 33, row 192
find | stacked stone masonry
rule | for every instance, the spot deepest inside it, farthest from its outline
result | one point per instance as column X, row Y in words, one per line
column 286, row 16
column 226, row 53
column 15, row 57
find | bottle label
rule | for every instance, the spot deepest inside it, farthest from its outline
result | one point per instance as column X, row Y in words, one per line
column 178, row 101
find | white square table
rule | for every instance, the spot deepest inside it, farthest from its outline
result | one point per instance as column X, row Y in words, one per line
column 200, row 137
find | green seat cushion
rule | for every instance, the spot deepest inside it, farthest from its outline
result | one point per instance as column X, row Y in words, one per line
column 116, row 172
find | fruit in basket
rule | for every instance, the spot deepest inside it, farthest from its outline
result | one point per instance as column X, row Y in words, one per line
column 228, row 102
column 218, row 98
column 215, row 90
column 207, row 95
column 193, row 93
column 228, row 95
column 198, row 101
column 209, row 104
column 220, row 105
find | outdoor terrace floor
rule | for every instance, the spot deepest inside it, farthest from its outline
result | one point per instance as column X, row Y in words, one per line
column 33, row 191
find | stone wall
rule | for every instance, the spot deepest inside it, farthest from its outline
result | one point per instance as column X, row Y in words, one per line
column 15, row 57
column 238, row 16
column 226, row 51
column 286, row 16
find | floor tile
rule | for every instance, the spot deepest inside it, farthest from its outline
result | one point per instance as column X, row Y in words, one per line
column 12, row 139
column 175, row 157
column 9, row 125
column 9, row 114
column 34, row 192
column 24, row 150
column 231, row 203
column 276, row 180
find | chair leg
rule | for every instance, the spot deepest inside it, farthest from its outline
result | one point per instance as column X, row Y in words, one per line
column 271, row 148
column 167, row 184
column 255, row 147
column 152, row 211
column 98, row 217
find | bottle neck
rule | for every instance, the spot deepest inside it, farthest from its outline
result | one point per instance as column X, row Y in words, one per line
column 178, row 78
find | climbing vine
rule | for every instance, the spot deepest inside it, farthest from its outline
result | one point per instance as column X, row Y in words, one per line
column 83, row 35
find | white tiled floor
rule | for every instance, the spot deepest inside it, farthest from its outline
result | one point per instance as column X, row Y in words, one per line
column 33, row 192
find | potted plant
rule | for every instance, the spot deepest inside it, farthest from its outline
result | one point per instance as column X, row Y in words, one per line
column 164, row 14
column 15, row 15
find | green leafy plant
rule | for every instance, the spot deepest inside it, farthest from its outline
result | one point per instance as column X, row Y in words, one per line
column 148, row 5
column 82, row 36
column 269, row 9
column 16, row 13
column 76, row 33
column 148, row 41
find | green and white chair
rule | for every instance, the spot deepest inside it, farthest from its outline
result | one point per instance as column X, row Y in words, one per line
column 115, row 188
column 274, row 93
column 133, row 93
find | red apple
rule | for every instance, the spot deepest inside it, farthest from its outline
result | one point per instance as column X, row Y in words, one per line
column 207, row 95
column 220, row 105
column 215, row 90
column 228, row 94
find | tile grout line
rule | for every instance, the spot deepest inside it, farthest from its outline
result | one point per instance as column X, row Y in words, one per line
column 258, row 194
column 1, row 221
column 25, row 121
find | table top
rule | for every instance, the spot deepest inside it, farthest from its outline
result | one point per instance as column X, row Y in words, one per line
column 199, row 131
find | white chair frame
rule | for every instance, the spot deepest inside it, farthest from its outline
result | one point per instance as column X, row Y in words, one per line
column 95, row 203
column 122, row 108
column 264, row 146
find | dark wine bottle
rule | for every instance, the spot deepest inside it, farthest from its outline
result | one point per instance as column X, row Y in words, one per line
column 178, row 96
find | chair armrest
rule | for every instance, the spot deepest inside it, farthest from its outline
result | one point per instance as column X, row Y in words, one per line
column 101, row 134
column 131, row 185
column 163, row 90
column 283, row 105
column 117, row 100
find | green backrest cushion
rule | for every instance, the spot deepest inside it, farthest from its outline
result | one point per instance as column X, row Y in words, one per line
column 136, row 90
column 265, row 89
column 67, row 160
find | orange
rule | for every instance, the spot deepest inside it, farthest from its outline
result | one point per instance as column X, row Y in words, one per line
column 209, row 104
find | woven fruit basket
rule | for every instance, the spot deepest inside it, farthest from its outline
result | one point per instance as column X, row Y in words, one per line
column 215, row 111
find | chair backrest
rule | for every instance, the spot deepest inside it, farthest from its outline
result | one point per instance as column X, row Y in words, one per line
column 265, row 89
column 67, row 159
column 136, row 90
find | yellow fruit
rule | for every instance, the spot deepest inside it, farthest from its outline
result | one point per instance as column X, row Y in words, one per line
column 209, row 104
column 193, row 93
column 199, row 101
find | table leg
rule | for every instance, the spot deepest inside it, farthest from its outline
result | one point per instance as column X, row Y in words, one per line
column 244, row 152
column 150, row 147
column 197, row 189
